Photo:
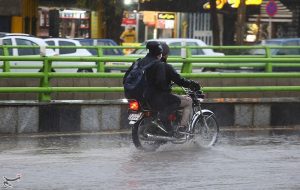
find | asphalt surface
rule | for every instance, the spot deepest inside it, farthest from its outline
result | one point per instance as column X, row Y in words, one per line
column 240, row 160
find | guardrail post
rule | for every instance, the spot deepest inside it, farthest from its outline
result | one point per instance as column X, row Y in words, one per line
column 6, row 65
column 100, row 65
column 187, row 66
column 269, row 67
column 45, row 82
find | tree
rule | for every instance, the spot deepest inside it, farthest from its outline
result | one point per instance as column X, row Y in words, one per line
column 214, row 22
column 111, row 12
column 240, row 27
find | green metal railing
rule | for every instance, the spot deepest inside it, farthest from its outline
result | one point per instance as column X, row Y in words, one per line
column 187, row 63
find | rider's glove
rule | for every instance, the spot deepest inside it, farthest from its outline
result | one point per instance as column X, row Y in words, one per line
column 194, row 86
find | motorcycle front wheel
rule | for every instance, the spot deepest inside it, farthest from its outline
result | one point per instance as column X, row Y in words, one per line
column 139, row 135
column 205, row 129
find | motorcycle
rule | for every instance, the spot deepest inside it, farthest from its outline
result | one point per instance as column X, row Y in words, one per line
column 148, row 133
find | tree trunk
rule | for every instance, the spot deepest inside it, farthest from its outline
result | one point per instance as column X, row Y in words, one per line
column 214, row 22
column 240, row 27
column 228, row 34
column 113, row 13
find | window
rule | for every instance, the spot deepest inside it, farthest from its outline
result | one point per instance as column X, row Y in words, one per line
column 50, row 43
column 66, row 50
column 195, row 51
column 108, row 51
column 88, row 42
column 6, row 42
column 27, row 51
column 294, row 51
column 175, row 51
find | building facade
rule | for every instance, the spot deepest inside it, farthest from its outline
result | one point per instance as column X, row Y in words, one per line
column 153, row 19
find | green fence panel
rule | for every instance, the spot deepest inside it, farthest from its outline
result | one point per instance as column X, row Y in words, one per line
column 187, row 62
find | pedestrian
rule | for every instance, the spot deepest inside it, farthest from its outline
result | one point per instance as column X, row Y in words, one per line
column 129, row 35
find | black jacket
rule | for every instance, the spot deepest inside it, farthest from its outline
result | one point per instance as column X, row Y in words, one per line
column 159, row 77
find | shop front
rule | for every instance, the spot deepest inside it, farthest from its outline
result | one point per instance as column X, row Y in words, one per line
column 157, row 24
column 276, row 20
column 67, row 23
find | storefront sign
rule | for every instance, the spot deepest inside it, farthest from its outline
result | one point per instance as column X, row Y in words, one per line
column 128, row 21
column 165, row 20
column 149, row 18
column 233, row 3
column 166, row 16
column 129, row 18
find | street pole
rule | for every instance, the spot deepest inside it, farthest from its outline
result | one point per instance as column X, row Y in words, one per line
column 270, row 27
column 137, row 17
column 136, row 26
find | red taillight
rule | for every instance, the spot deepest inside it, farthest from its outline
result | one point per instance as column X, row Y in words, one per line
column 134, row 105
column 172, row 117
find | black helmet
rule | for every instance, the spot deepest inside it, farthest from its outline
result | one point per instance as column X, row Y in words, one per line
column 166, row 49
column 154, row 47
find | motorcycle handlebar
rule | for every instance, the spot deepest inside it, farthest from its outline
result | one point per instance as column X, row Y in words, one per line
column 192, row 93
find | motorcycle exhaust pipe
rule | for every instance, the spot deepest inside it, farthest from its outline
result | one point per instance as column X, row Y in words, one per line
column 150, row 137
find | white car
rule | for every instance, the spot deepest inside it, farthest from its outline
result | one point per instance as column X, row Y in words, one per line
column 3, row 34
column 71, row 51
column 17, row 40
column 181, row 42
column 180, row 52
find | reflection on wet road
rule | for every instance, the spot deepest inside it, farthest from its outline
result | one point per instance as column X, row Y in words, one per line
column 252, row 161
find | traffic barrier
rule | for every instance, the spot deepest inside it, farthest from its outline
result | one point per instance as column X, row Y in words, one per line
column 187, row 63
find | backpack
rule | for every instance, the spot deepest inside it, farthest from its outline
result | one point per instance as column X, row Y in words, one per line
column 135, row 81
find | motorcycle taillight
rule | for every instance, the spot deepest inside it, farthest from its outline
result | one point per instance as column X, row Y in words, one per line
column 172, row 117
column 134, row 105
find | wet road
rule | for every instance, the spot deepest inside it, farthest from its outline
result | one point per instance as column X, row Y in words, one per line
column 110, row 161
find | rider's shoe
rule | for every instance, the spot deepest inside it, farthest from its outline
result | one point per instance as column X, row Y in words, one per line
column 181, row 129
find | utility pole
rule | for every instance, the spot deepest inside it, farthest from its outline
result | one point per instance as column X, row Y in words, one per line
column 241, row 20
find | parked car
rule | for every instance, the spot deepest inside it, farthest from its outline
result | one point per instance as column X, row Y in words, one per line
column 71, row 51
column 106, row 52
column 3, row 34
column 27, row 41
column 101, row 42
column 181, row 52
column 33, row 41
column 278, row 51
column 181, row 42
column 278, row 42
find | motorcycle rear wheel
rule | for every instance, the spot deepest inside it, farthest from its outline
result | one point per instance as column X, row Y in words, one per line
column 205, row 135
column 139, row 131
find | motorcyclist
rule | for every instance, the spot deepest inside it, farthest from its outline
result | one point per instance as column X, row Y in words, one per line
column 158, row 94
